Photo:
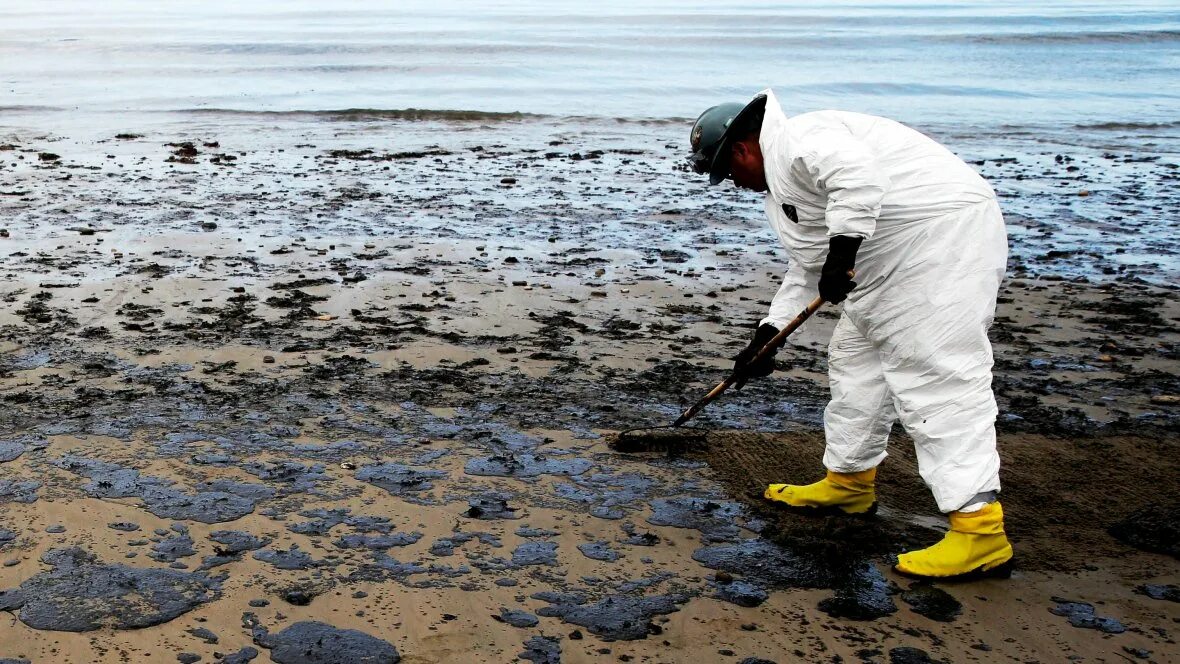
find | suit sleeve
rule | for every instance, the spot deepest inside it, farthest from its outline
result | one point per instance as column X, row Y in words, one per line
column 842, row 167
column 798, row 289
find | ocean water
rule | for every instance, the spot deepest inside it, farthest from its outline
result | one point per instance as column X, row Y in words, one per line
column 968, row 64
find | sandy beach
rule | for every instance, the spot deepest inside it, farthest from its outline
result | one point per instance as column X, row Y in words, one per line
column 279, row 384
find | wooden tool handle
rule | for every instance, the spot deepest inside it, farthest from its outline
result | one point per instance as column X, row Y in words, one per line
column 771, row 346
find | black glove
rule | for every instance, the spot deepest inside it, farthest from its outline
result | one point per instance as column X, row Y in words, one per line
column 835, row 279
column 765, row 367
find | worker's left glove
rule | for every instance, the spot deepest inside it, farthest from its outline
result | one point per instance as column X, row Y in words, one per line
column 835, row 281
column 765, row 366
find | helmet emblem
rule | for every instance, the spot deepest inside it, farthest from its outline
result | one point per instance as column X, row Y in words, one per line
column 697, row 132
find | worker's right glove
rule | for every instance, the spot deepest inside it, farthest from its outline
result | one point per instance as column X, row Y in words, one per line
column 765, row 366
column 835, row 281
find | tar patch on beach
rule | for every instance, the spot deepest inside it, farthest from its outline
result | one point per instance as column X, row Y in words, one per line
column 313, row 642
column 1154, row 528
column 617, row 617
column 1084, row 615
column 79, row 594
column 931, row 601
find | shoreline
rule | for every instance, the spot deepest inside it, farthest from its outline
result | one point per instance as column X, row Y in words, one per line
column 450, row 351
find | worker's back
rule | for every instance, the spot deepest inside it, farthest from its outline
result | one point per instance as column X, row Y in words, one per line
column 926, row 180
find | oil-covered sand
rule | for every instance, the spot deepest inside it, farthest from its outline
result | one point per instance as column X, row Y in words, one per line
column 322, row 390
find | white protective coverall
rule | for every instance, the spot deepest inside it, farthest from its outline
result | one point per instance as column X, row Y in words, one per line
column 912, row 341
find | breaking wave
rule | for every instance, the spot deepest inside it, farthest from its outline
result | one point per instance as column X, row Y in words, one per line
column 1119, row 126
column 412, row 114
column 422, row 115
column 1088, row 36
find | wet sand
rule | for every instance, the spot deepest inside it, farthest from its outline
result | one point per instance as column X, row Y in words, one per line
column 364, row 376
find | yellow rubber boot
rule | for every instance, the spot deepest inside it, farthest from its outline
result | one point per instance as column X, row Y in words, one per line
column 975, row 546
column 850, row 493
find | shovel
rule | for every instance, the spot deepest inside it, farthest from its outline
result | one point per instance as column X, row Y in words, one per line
column 647, row 438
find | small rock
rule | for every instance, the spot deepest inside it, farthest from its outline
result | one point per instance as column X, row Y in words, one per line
column 1082, row 614
column 599, row 551
column 1169, row 592
column 298, row 597
column 242, row 656
column 516, row 617
column 204, row 634
column 908, row 655
column 741, row 593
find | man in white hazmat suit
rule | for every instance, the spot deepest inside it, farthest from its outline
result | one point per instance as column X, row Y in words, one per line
column 910, row 238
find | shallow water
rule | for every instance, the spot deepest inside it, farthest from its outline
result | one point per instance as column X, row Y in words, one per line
column 1008, row 86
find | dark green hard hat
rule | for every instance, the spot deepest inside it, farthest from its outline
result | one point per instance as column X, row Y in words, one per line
column 710, row 137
